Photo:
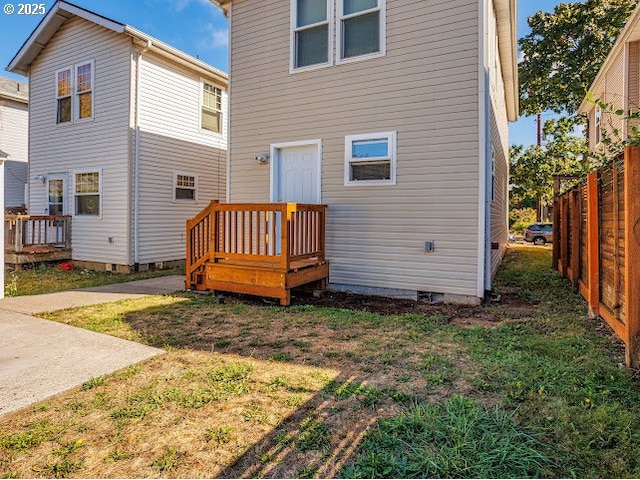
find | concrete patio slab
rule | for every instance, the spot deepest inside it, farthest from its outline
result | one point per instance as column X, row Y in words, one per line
column 40, row 358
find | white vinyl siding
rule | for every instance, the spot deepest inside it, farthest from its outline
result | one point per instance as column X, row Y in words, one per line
column 425, row 88
column 14, row 141
column 102, row 143
column 172, row 141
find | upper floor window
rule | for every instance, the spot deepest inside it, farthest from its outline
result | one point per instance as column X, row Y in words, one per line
column 211, row 112
column 74, row 93
column 360, row 28
column 84, row 90
column 598, row 126
column 63, row 89
column 310, row 32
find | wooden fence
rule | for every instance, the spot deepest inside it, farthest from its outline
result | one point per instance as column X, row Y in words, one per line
column 596, row 245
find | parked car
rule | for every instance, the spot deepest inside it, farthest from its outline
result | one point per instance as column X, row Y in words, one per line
column 539, row 233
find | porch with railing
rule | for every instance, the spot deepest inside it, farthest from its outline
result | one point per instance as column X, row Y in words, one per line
column 258, row 249
column 36, row 238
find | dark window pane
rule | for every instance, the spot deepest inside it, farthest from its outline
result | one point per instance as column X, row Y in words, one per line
column 55, row 209
column 312, row 46
column 85, row 107
column 64, row 110
column 370, row 171
column 353, row 6
column 361, row 35
column 88, row 205
column 185, row 194
column 311, row 11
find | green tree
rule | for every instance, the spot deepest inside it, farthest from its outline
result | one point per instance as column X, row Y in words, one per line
column 532, row 168
column 564, row 51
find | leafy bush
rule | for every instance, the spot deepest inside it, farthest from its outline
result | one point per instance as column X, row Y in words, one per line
column 520, row 219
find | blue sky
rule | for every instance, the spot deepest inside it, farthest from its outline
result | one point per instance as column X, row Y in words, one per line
column 200, row 29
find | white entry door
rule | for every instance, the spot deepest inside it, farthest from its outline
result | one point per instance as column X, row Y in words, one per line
column 296, row 173
column 57, row 195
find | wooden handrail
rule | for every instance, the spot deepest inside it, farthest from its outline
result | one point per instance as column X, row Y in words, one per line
column 24, row 231
column 276, row 233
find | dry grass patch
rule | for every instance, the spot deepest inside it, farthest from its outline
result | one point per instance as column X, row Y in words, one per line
column 244, row 390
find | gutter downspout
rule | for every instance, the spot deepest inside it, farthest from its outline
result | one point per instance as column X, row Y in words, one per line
column 482, row 148
column 136, row 161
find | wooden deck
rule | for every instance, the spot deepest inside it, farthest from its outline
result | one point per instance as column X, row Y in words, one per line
column 36, row 238
column 257, row 249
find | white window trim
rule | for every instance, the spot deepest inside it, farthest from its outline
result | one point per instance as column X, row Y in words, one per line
column 73, row 192
column 175, row 185
column 274, row 148
column 72, row 75
column 75, row 102
column 201, row 104
column 382, row 7
column 293, row 28
column 392, row 138
column 597, row 122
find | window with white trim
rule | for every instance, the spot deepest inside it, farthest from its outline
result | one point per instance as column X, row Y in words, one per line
column 87, row 193
column 211, row 111
column 598, row 126
column 370, row 159
column 310, row 33
column 360, row 28
column 84, row 91
column 63, row 95
column 184, row 186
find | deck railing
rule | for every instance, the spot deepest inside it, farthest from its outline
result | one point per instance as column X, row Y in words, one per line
column 24, row 232
column 272, row 233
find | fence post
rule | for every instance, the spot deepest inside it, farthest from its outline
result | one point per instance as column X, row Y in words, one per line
column 564, row 235
column 593, row 244
column 575, row 238
column 556, row 231
column 632, row 253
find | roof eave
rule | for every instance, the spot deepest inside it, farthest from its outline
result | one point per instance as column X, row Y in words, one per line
column 14, row 98
column 223, row 4
column 506, row 13
column 57, row 15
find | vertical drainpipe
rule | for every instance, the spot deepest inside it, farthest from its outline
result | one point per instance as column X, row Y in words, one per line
column 136, row 160
column 488, row 190
column 228, row 167
column 482, row 148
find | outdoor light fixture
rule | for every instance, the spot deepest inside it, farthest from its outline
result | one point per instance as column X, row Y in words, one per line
column 263, row 158
column 41, row 178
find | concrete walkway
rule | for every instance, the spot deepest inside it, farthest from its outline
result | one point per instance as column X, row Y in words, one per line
column 50, row 302
column 40, row 358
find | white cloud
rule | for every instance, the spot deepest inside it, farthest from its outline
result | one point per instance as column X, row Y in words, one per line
column 215, row 37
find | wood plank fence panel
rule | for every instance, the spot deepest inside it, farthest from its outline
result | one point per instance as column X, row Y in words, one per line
column 597, row 245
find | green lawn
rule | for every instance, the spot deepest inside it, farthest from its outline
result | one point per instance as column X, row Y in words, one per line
column 49, row 278
column 526, row 388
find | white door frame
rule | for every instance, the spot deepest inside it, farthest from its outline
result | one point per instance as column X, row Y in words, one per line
column 275, row 161
column 65, row 190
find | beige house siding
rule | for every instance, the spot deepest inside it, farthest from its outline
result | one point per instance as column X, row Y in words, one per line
column 171, row 141
column 101, row 143
column 425, row 88
column 14, row 140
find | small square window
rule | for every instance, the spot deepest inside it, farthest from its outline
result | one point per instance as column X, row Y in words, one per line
column 370, row 159
column 185, row 186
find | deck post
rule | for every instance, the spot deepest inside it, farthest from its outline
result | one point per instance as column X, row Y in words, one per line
column 593, row 245
column 287, row 212
column 213, row 230
column 632, row 253
column 19, row 246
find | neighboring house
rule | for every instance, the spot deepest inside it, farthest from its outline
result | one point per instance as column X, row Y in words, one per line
column 393, row 113
column 14, row 140
column 127, row 135
column 618, row 84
